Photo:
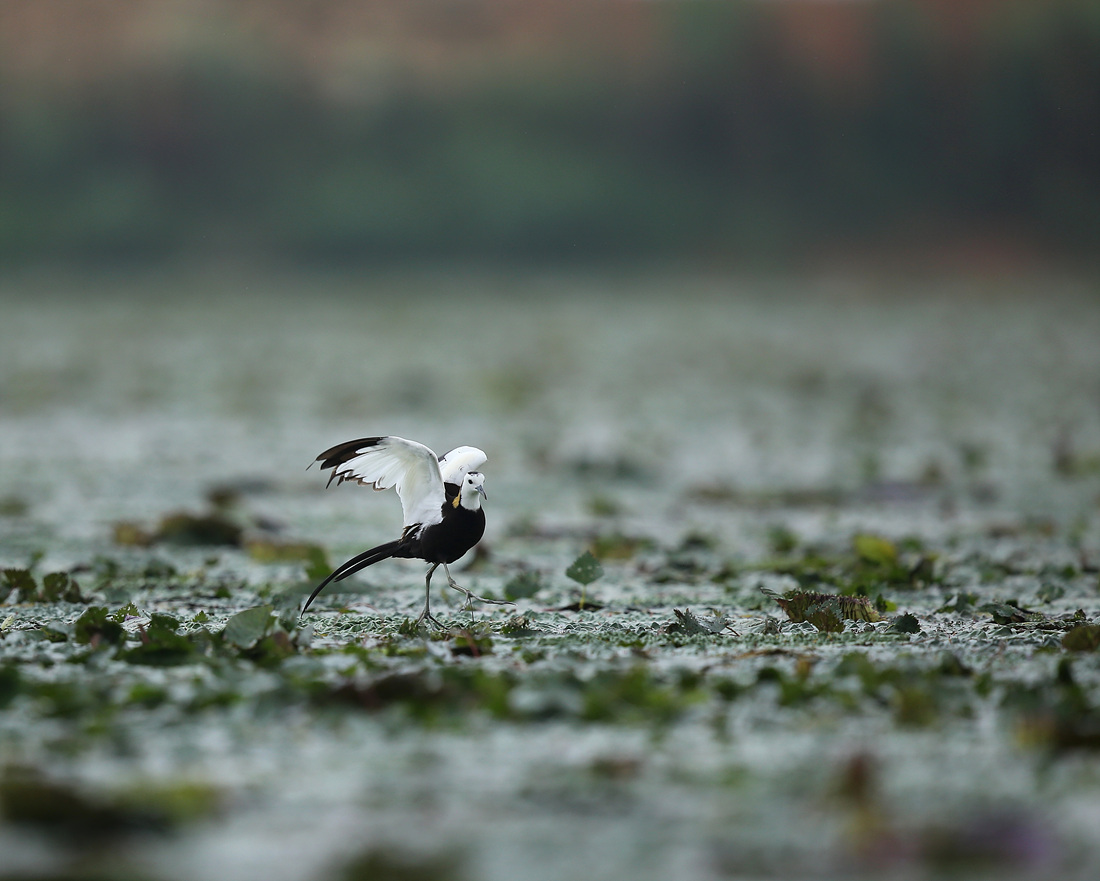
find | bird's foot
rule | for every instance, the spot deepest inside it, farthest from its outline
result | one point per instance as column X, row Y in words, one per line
column 472, row 597
column 432, row 621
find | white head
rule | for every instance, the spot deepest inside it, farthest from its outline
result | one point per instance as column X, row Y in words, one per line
column 471, row 491
column 455, row 464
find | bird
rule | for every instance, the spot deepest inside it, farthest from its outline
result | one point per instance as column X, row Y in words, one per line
column 440, row 499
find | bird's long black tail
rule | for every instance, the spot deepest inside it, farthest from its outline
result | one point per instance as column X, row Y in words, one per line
column 360, row 561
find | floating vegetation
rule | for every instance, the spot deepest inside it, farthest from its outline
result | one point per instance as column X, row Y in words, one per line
column 936, row 660
column 827, row 612
column 379, row 863
column 31, row 799
column 906, row 623
column 725, row 494
column 1083, row 638
column 523, row 586
column 56, row 587
column 1010, row 613
column 95, row 627
column 182, row 529
column 266, row 550
column 688, row 625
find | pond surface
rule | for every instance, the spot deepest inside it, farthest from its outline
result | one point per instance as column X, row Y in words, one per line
column 931, row 445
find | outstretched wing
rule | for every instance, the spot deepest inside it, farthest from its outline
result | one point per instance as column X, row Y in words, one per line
column 384, row 462
column 453, row 466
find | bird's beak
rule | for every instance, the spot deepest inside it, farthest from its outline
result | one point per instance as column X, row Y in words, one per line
column 481, row 492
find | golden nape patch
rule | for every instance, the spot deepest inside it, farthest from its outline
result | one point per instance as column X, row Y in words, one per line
column 458, row 498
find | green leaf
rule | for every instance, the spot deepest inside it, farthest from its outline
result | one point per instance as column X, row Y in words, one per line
column 318, row 565
column 94, row 627
column 129, row 610
column 961, row 603
column 585, row 569
column 191, row 530
column 20, row 580
column 906, row 623
column 876, row 550
column 525, row 584
column 825, row 611
column 54, row 632
column 687, row 624
column 1009, row 613
column 161, row 645
column 247, row 628
column 1084, row 638
column 60, row 587
column 1050, row 592
column 10, row 682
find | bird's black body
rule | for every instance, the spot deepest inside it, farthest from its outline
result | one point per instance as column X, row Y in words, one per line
column 442, row 542
column 445, row 542
column 437, row 538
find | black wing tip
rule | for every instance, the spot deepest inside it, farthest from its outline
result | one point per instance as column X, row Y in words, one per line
column 336, row 456
column 340, row 453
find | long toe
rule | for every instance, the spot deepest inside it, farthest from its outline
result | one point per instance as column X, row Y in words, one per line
column 474, row 596
column 432, row 621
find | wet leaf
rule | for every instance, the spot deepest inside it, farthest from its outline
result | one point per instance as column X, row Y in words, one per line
column 265, row 550
column 827, row 612
column 1008, row 613
column 1083, row 638
column 390, row 864
column 190, row 530
column 585, row 569
column 124, row 612
column 518, row 625
column 782, row 540
column 130, row 534
column 876, row 550
column 687, row 624
column 467, row 642
column 29, row 798
column 94, row 627
column 161, row 645
column 884, row 605
column 59, row 587
column 906, row 623
column 55, row 632
column 525, row 584
column 20, row 580
column 616, row 546
column 14, row 506
column 247, row 628
column 9, row 684
column 962, row 603
column 1050, row 592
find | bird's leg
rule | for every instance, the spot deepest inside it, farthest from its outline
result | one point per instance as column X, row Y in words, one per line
column 470, row 596
column 427, row 615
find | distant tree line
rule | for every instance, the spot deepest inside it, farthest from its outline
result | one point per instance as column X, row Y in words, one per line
column 723, row 142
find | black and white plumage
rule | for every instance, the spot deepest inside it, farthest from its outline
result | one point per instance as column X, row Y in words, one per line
column 440, row 497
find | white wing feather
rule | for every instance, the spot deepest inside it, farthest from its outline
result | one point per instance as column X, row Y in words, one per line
column 411, row 468
column 456, row 464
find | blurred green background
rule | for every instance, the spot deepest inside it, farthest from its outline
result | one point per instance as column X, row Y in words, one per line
column 961, row 131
